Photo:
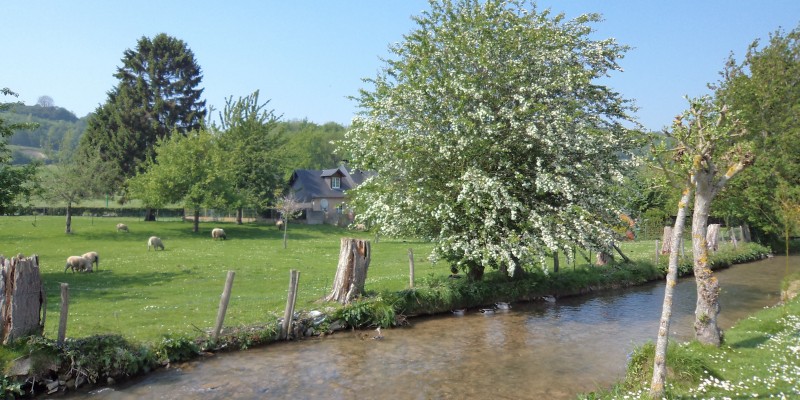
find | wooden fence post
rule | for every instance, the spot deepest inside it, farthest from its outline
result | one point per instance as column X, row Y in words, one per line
column 223, row 304
column 62, row 322
column 657, row 252
column 555, row 261
column 411, row 268
column 288, row 314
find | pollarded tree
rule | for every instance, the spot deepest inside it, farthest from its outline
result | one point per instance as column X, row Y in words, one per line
column 157, row 95
column 490, row 134
column 708, row 148
column 187, row 169
column 251, row 143
column 14, row 181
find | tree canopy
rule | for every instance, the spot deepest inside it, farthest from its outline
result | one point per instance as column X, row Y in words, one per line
column 490, row 133
column 248, row 137
column 14, row 181
column 157, row 94
column 764, row 89
column 186, row 169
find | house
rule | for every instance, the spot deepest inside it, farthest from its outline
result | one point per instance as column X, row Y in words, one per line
column 323, row 193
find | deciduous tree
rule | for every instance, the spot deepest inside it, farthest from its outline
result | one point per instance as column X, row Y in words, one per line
column 186, row 169
column 15, row 182
column 75, row 177
column 708, row 148
column 490, row 134
column 251, row 147
column 764, row 88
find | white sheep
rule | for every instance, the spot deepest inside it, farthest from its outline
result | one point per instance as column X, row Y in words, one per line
column 78, row 263
column 94, row 258
column 218, row 233
column 279, row 224
column 154, row 241
column 122, row 227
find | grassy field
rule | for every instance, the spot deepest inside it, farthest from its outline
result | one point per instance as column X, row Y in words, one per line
column 145, row 295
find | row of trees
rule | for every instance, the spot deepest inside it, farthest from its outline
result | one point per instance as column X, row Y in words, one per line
column 153, row 139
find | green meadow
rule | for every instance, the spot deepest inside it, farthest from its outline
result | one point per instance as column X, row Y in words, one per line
column 144, row 295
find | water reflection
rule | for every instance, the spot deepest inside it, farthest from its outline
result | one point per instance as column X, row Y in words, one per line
column 535, row 350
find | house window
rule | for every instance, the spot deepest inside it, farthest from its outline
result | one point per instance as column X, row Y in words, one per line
column 336, row 182
column 340, row 209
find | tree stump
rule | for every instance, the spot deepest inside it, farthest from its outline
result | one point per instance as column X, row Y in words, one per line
column 354, row 257
column 602, row 258
column 666, row 240
column 22, row 298
column 712, row 237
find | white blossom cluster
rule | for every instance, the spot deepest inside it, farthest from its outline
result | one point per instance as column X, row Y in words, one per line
column 490, row 135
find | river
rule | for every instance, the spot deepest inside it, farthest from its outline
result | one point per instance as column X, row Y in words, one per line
column 536, row 350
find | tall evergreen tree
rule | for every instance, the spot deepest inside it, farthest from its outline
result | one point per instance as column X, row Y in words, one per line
column 157, row 95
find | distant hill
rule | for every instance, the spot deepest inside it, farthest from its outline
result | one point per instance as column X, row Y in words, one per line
column 55, row 124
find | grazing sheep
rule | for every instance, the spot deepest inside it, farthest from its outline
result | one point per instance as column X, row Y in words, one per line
column 122, row 227
column 358, row 227
column 218, row 233
column 78, row 263
column 93, row 257
column 154, row 241
column 279, row 224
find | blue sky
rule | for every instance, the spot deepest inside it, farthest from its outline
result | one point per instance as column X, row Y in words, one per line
column 306, row 56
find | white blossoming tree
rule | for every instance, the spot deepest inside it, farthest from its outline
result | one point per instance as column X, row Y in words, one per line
column 491, row 136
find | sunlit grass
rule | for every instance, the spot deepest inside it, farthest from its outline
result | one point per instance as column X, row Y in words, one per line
column 144, row 295
column 759, row 359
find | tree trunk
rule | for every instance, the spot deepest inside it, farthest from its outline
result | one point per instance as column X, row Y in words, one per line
column 239, row 213
column 351, row 274
column 666, row 240
column 712, row 237
column 746, row 233
column 150, row 214
column 705, row 325
column 733, row 237
column 196, row 224
column 660, row 357
column 22, row 301
column 285, row 227
column 555, row 261
column 69, row 218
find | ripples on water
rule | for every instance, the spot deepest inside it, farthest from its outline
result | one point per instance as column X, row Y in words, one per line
column 535, row 350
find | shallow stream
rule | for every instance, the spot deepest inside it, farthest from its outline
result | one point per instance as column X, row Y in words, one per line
column 535, row 350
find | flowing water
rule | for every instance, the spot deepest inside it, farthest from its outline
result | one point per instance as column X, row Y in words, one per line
column 536, row 350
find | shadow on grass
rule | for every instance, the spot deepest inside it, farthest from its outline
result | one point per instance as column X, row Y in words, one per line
column 750, row 343
column 105, row 284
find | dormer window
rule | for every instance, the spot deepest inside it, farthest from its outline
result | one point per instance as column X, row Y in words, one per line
column 336, row 182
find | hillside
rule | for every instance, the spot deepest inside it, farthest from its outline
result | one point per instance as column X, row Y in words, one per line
column 55, row 124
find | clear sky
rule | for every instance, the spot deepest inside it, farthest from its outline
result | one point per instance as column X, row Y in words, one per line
column 307, row 57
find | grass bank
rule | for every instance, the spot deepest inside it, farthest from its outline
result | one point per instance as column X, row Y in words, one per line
column 759, row 359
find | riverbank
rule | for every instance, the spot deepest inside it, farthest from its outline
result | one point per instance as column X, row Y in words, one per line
column 111, row 358
column 760, row 358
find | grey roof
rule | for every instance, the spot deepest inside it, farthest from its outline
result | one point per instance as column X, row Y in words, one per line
column 309, row 184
